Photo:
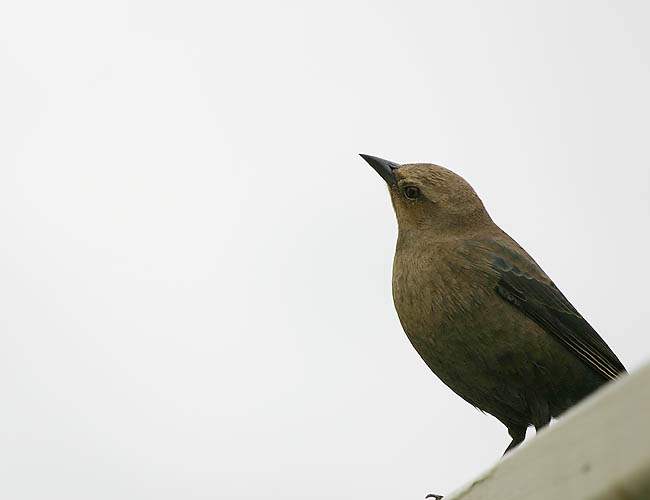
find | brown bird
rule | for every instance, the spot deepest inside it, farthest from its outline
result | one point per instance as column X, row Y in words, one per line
column 479, row 310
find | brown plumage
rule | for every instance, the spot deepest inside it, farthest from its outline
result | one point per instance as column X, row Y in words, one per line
column 479, row 310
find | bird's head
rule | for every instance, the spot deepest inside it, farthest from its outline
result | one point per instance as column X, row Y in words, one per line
column 430, row 198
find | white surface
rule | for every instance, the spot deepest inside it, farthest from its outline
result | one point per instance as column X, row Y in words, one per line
column 599, row 451
column 195, row 263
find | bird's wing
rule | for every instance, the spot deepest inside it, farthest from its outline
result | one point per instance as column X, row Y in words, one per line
column 538, row 297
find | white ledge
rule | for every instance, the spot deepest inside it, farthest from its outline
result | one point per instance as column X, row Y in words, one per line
column 598, row 450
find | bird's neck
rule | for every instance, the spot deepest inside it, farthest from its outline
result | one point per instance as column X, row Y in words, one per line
column 433, row 234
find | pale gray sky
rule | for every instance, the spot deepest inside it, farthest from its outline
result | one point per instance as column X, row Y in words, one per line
column 195, row 263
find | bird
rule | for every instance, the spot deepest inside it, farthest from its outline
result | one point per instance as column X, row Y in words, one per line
column 480, row 312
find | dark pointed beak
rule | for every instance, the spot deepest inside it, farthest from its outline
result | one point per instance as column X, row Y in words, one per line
column 383, row 167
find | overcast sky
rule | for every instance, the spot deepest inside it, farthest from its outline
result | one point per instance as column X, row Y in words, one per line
column 195, row 264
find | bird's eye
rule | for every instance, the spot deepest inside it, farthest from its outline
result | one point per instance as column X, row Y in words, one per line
column 411, row 192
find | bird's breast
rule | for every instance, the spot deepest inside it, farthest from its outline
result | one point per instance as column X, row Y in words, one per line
column 434, row 292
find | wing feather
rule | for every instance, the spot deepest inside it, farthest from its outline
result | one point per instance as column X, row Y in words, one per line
column 549, row 308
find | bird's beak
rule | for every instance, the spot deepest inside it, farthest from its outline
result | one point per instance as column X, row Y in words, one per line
column 383, row 167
